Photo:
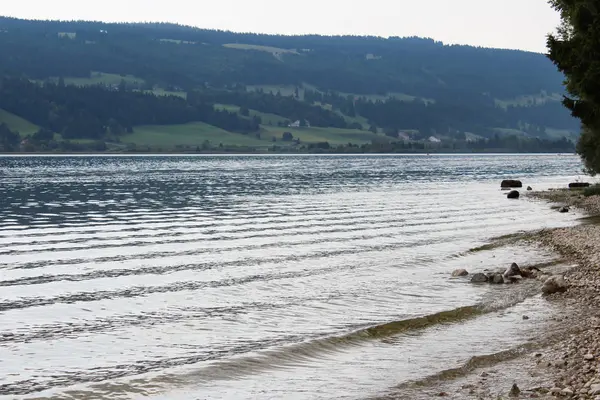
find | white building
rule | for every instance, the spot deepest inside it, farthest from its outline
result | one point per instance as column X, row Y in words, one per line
column 297, row 124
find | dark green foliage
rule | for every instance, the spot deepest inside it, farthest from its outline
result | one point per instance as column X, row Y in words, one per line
column 592, row 191
column 287, row 107
column 419, row 67
column 510, row 143
column 93, row 111
column 454, row 87
column 9, row 140
column 43, row 135
column 287, row 137
column 576, row 52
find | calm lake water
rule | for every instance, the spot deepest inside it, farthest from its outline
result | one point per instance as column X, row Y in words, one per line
column 243, row 277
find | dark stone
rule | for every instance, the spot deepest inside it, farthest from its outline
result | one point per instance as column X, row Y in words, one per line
column 510, row 183
column 514, row 391
column 579, row 185
column 497, row 279
column 529, row 188
column 513, row 194
column 459, row 273
column 479, row 278
column 530, row 272
column 513, row 270
column 563, row 210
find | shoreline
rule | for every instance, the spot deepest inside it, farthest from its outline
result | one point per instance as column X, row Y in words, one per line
column 564, row 360
column 266, row 153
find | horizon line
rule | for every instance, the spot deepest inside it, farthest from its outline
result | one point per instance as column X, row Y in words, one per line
column 290, row 35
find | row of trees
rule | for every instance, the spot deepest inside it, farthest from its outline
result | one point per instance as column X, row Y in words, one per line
column 96, row 111
column 285, row 106
column 191, row 57
column 467, row 114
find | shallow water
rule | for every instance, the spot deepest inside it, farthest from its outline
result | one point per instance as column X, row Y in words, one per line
column 177, row 277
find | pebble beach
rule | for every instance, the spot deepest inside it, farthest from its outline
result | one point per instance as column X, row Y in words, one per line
column 564, row 360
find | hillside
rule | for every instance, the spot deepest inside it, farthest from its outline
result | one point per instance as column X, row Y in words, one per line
column 348, row 89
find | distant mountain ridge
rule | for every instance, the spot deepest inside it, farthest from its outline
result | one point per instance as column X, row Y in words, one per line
column 191, row 56
column 400, row 87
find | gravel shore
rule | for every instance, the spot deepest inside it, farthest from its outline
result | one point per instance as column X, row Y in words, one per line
column 577, row 357
column 564, row 360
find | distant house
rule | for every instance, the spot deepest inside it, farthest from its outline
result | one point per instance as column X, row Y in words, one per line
column 298, row 124
column 68, row 35
column 433, row 139
column 403, row 136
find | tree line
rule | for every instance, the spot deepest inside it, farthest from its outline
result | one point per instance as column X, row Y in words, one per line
column 191, row 57
column 95, row 112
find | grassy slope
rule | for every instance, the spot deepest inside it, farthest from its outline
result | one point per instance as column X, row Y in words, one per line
column 289, row 90
column 275, row 51
column 192, row 134
column 176, row 41
column 332, row 135
column 18, row 124
column 162, row 92
column 309, row 135
column 540, row 98
column 103, row 78
column 267, row 119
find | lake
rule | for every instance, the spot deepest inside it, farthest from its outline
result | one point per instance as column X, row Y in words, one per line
column 242, row 277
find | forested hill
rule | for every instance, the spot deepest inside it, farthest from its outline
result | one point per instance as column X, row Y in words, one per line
column 186, row 56
column 400, row 87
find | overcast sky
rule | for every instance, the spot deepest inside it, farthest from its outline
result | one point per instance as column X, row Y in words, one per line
column 516, row 24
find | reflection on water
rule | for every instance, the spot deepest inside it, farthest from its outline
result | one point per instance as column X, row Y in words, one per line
column 257, row 276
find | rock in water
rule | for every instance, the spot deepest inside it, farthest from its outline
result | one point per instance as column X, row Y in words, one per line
column 555, row 284
column 511, row 183
column 513, row 194
column 563, row 210
column 479, row 278
column 578, row 185
column 497, row 279
column 460, row 272
column 529, row 188
column 513, row 270
column 515, row 391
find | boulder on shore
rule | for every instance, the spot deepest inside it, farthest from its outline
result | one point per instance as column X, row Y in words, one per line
column 511, row 183
column 513, row 270
column 563, row 210
column 479, row 278
column 513, row 195
column 529, row 188
column 530, row 272
column 496, row 279
column 460, row 272
column 555, row 284
column 578, row 185
column 514, row 391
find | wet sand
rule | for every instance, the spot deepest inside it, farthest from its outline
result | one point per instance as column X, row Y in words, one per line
column 563, row 360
